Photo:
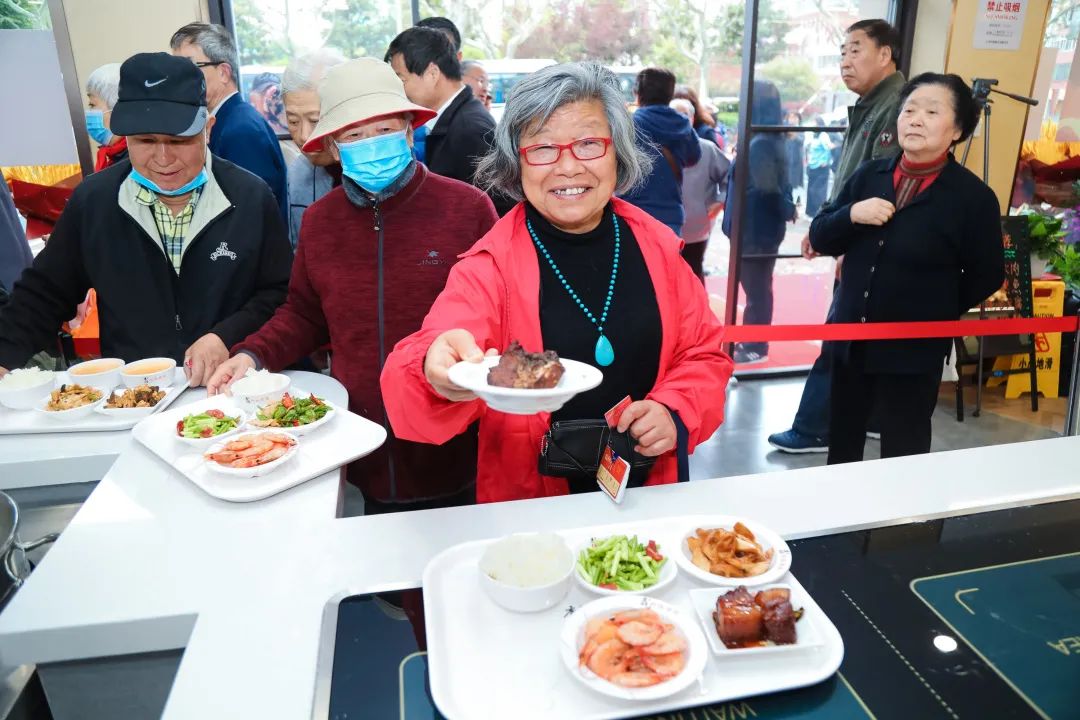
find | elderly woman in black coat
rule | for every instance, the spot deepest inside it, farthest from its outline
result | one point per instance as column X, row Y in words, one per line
column 921, row 240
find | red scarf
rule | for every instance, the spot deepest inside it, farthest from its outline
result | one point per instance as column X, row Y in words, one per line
column 106, row 154
column 911, row 178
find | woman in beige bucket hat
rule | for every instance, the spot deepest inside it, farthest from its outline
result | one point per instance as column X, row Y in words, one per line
column 373, row 255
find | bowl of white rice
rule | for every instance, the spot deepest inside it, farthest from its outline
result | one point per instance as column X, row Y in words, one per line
column 256, row 389
column 24, row 388
column 527, row 572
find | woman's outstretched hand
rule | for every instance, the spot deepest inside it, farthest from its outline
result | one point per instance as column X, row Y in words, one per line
column 447, row 350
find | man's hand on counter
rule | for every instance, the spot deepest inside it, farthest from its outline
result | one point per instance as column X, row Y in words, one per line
column 203, row 358
column 3, row 371
column 232, row 369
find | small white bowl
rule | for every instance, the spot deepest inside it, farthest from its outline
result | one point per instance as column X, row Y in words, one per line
column 134, row 373
column 104, row 379
column 668, row 573
column 251, row 471
column 208, row 441
column 513, row 548
column 72, row 414
column 28, row 398
column 250, row 394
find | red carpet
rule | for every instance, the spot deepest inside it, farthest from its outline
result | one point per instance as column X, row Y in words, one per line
column 798, row 299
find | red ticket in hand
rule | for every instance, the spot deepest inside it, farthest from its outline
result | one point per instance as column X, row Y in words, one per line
column 612, row 416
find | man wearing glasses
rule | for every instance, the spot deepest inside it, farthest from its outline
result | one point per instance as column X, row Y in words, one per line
column 240, row 133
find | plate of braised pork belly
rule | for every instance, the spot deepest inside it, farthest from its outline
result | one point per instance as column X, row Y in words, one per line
column 525, row 383
column 751, row 621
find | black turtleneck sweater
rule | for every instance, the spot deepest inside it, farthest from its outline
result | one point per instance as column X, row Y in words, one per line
column 633, row 322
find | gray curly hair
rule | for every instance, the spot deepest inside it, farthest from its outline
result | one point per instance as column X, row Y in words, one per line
column 105, row 83
column 535, row 99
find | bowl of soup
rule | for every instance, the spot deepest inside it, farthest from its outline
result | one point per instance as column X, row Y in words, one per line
column 160, row 371
column 102, row 374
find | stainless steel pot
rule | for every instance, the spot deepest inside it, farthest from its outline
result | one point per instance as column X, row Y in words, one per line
column 12, row 550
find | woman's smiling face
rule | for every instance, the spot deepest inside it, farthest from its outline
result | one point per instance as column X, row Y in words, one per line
column 571, row 194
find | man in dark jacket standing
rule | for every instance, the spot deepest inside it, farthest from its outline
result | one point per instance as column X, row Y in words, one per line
column 241, row 135
column 457, row 137
column 672, row 143
column 868, row 62
column 188, row 254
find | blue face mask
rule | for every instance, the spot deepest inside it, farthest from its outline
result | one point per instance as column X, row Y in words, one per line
column 197, row 181
column 95, row 127
column 374, row 163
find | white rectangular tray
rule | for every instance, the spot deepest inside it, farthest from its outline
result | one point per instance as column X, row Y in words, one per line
column 487, row 662
column 18, row 422
column 342, row 440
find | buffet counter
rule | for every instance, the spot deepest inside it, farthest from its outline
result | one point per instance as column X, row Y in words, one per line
column 152, row 564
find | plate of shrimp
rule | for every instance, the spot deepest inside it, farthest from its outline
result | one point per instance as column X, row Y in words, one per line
column 635, row 648
column 251, row 454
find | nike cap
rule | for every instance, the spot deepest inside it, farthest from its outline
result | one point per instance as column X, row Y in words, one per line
column 161, row 94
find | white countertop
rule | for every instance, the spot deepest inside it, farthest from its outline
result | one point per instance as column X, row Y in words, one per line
column 151, row 563
column 35, row 460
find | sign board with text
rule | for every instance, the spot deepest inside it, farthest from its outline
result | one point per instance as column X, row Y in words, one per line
column 999, row 24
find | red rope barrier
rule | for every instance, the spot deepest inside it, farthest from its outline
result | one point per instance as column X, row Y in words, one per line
column 899, row 330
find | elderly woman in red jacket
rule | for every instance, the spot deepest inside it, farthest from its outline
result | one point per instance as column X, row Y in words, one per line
column 576, row 270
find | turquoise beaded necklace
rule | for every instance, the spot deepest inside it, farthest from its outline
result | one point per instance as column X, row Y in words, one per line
column 604, row 353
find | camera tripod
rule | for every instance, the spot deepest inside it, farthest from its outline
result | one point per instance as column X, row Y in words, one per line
column 981, row 89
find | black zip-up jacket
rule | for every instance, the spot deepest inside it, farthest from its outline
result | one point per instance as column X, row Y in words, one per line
column 459, row 138
column 939, row 256
column 234, row 272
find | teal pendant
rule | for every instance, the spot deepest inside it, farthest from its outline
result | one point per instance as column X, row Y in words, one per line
column 604, row 353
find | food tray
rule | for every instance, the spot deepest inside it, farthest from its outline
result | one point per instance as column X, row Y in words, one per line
column 487, row 662
column 18, row 422
column 341, row 441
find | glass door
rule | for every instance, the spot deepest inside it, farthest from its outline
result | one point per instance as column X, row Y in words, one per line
column 798, row 113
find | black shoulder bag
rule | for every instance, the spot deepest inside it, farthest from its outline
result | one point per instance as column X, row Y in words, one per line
column 572, row 449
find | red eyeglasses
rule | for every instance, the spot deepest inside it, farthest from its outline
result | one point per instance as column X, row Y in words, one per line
column 591, row 148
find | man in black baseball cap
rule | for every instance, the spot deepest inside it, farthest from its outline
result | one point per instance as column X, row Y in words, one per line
column 187, row 252
column 160, row 93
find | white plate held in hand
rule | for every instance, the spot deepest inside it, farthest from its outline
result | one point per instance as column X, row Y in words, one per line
column 577, row 378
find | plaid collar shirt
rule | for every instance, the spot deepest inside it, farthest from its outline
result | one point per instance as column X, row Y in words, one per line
column 172, row 229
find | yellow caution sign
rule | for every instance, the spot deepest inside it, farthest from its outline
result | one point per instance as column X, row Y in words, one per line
column 1048, row 298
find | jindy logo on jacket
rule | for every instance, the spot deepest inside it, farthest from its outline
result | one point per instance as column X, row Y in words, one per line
column 432, row 258
column 223, row 251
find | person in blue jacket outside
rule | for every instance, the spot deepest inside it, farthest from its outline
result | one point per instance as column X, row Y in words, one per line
column 240, row 134
column 768, row 209
column 670, row 140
